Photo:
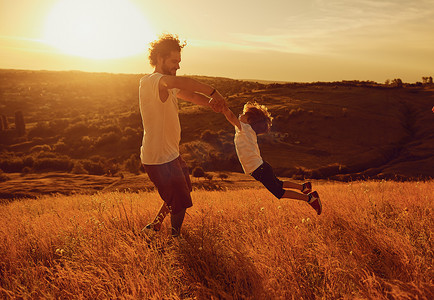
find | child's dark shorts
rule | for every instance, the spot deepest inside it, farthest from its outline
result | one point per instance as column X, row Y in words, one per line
column 172, row 181
column 265, row 174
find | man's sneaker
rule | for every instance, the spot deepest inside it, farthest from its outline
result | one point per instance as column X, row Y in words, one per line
column 307, row 188
column 315, row 202
column 150, row 226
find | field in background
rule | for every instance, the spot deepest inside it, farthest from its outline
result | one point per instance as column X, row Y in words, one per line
column 374, row 240
column 89, row 124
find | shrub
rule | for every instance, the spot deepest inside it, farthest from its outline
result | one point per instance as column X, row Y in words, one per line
column 39, row 148
column 331, row 170
column 26, row 170
column 110, row 128
column 3, row 176
column 44, row 154
column 96, row 158
column 209, row 136
column 28, row 161
column 86, row 141
column 129, row 131
column 223, row 176
column 112, row 167
column 296, row 112
column 12, row 165
column 60, row 146
column 59, row 124
column 79, row 128
column 110, row 138
column 198, row 172
column 94, row 168
column 79, row 168
column 133, row 164
column 41, row 130
column 63, row 164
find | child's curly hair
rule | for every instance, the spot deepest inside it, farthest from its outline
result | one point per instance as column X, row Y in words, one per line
column 163, row 46
column 258, row 117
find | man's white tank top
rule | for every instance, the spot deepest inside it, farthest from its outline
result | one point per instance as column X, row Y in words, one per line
column 161, row 127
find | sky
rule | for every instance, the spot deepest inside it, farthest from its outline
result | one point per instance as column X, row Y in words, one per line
column 276, row 40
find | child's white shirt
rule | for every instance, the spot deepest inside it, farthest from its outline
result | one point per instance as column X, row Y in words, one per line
column 246, row 145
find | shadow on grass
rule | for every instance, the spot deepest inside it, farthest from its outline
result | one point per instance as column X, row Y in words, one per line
column 215, row 269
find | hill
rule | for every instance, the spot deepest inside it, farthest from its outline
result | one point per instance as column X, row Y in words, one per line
column 89, row 123
column 336, row 131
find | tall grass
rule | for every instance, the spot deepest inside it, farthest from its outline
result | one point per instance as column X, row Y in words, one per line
column 374, row 240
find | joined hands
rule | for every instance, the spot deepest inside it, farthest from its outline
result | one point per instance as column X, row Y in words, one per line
column 218, row 103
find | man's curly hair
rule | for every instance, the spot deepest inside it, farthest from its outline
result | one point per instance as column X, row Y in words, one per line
column 258, row 117
column 164, row 46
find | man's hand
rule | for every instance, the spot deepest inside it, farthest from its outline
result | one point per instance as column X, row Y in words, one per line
column 217, row 102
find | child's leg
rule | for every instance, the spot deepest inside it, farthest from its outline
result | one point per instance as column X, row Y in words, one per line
column 292, row 185
column 312, row 199
column 295, row 195
column 305, row 188
column 266, row 176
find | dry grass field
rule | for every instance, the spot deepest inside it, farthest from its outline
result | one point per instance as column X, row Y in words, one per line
column 374, row 240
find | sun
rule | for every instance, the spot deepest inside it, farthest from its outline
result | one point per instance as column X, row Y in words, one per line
column 97, row 29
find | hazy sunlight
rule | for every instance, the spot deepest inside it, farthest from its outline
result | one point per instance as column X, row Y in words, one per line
column 94, row 29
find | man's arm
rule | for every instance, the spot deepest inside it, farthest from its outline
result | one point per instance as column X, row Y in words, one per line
column 194, row 97
column 230, row 116
column 186, row 84
column 193, row 91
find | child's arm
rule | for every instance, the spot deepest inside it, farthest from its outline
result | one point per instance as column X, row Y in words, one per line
column 231, row 117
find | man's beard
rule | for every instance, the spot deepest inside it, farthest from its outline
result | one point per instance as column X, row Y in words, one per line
column 167, row 71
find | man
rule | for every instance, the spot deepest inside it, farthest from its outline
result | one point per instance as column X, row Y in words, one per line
column 158, row 101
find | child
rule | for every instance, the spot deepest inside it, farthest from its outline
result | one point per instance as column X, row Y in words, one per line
column 255, row 120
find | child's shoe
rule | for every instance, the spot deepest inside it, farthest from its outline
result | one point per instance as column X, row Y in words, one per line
column 315, row 202
column 307, row 188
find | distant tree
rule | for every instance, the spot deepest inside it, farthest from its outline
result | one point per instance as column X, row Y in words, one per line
column 387, row 82
column 94, row 167
column 397, row 82
column 79, row 168
column 427, row 80
column 132, row 164
column 20, row 126
column 60, row 146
